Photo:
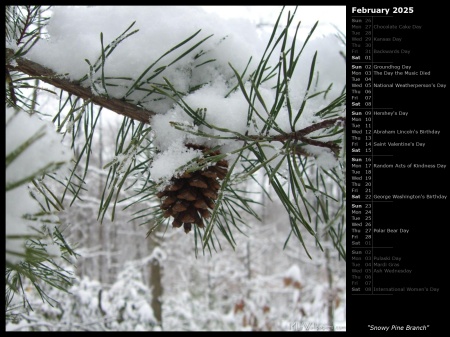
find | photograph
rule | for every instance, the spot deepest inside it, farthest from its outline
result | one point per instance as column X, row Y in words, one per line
column 194, row 168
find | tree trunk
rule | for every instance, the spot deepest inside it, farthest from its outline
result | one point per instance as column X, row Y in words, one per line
column 156, row 274
column 157, row 289
column 330, row 304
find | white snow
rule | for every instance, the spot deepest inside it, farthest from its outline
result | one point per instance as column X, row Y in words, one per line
column 166, row 163
column 324, row 158
column 233, row 41
column 293, row 273
column 20, row 127
column 40, row 156
column 74, row 35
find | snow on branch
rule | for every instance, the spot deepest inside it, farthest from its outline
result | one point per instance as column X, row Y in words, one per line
column 44, row 74
column 132, row 111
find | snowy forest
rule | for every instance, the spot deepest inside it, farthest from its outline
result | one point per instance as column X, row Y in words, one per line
column 173, row 177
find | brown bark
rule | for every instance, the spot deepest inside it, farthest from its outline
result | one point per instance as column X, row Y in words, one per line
column 157, row 290
column 36, row 70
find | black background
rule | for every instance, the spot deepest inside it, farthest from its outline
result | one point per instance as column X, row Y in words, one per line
column 424, row 249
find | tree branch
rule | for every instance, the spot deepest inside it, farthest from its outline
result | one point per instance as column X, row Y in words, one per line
column 42, row 73
column 132, row 111
column 301, row 135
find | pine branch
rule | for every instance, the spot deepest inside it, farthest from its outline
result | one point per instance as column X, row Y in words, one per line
column 300, row 135
column 26, row 24
column 132, row 111
column 327, row 123
column 38, row 71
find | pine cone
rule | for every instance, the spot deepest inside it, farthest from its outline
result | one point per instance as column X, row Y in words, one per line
column 190, row 197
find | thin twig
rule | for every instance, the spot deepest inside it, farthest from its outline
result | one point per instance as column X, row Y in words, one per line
column 300, row 135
